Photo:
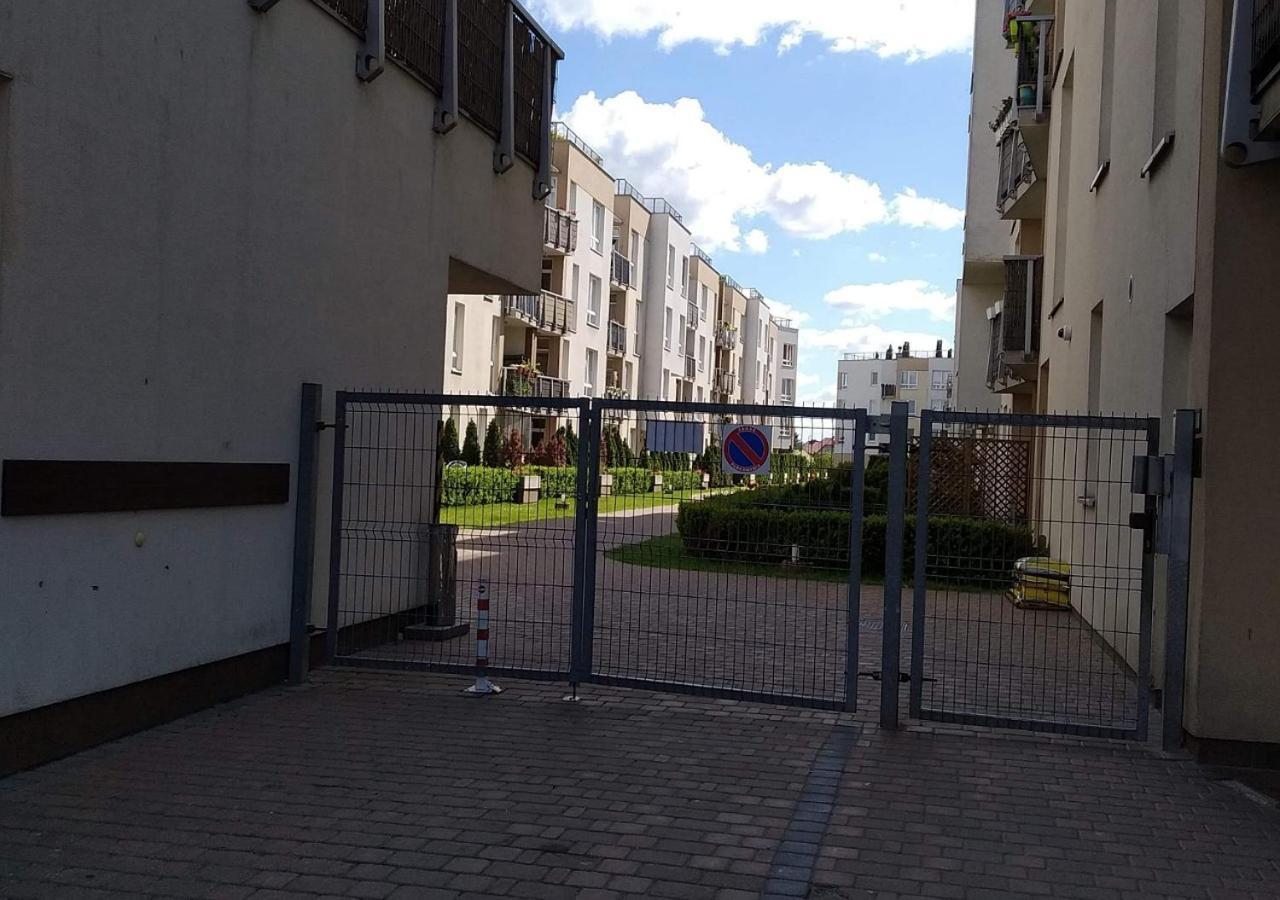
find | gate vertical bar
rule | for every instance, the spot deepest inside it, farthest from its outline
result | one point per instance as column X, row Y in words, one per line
column 1178, row 509
column 857, row 510
column 578, row 672
column 591, row 502
column 895, row 529
column 919, row 585
column 335, row 522
column 1148, row 587
column 304, row 531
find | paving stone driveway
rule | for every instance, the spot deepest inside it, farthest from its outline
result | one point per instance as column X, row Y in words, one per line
column 377, row 785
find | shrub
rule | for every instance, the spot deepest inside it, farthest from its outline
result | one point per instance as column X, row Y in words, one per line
column 681, row 482
column 570, row 441
column 556, row 480
column 448, row 448
column 766, row 524
column 478, row 485
column 513, row 449
column 471, row 446
column 551, row 452
column 492, row 445
column 628, row 480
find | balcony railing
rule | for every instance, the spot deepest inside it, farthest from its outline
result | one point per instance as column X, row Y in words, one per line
column 691, row 312
column 702, row 255
column 561, row 232
column 500, row 73
column 617, row 339
column 1015, row 330
column 726, row 336
column 617, row 393
column 518, row 381
column 1015, row 168
column 660, row 207
column 546, row 311
column 562, row 132
column 1266, row 43
column 690, row 368
column 620, row 274
column 724, row 382
column 1034, row 43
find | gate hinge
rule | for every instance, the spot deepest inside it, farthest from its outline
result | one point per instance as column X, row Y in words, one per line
column 1152, row 476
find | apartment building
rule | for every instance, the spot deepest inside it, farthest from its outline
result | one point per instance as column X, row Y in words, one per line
column 875, row 381
column 730, row 341
column 205, row 206
column 700, row 344
column 760, row 347
column 1122, row 261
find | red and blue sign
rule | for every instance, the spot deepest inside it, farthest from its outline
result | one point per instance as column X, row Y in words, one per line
column 745, row 449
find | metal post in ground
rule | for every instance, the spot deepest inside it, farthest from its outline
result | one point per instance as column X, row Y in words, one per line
column 1178, row 509
column 483, row 685
column 304, row 532
column 895, row 533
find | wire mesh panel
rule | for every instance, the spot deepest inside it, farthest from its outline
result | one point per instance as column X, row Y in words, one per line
column 530, row 85
column 481, row 31
column 710, row 579
column 432, row 497
column 1032, row 593
column 352, row 13
column 415, row 37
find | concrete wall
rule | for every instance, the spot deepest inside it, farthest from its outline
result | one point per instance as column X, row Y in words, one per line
column 201, row 208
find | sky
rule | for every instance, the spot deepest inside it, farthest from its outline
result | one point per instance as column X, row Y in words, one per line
column 817, row 149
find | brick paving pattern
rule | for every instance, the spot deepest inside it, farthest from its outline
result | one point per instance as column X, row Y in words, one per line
column 376, row 785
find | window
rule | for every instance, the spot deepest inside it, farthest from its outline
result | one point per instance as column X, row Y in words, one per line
column 789, row 355
column 593, row 301
column 626, row 377
column 938, row 405
column 666, row 381
column 699, row 393
column 702, row 353
column 875, row 378
column 844, row 380
column 684, row 276
column 573, row 200
column 635, row 249
column 589, row 376
column 495, row 350
column 680, row 337
column 666, row 333
column 639, row 329
column 911, row 407
column 459, row 335
column 840, row 405
column 702, row 308
column 671, row 266
column 577, row 284
column 788, row 388
column 597, row 226
column 909, row 381
column 939, row 380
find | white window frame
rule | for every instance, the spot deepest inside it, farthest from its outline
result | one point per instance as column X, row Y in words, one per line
column 597, row 226
column 875, row 377
column 459, row 337
column 589, row 373
column 844, row 380
column 909, row 380
column 671, row 266
column 668, row 323
column 684, row 277
column 684, row 326
column 666, row 383
column 702, row 353
column 788, row 388
column 789, row 359
column 702, row 307
column 938, row 380
column 595, row 290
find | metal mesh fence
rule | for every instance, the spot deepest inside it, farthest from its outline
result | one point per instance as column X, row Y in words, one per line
column 415, row 37
column 1039, row 620
column 481, row 31
column 437, row 497
column 530, row 84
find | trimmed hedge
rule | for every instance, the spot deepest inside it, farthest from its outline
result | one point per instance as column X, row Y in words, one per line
column 763, row 526
column 681, row 482
column 631, row 481
column 555, row 480
column 478, row 485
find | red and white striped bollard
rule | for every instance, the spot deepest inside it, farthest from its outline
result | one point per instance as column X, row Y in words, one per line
column 483, row 685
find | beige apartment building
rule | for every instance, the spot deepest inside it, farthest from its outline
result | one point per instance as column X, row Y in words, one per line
column 1123, row 215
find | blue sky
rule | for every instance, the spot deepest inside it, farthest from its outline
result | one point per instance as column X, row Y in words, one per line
column 818, row 148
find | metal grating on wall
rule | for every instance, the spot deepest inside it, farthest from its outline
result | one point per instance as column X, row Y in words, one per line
column 415, row 37
column 530, row 57
column 1266, row 41
column 353, row 13
column 481, row 30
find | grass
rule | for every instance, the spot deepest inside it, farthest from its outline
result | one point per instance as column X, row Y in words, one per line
column 497, row 515
column 667, row 552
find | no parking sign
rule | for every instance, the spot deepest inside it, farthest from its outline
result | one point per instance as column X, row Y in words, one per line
column 745, row 449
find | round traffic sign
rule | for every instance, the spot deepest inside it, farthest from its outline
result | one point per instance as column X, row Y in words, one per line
column 746, row 449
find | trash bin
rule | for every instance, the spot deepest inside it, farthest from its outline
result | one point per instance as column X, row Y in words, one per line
column 437, row 586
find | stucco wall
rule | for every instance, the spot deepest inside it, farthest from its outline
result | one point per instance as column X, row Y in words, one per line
column 203, row 208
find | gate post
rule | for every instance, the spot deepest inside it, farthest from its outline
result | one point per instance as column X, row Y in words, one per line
column 919, row 584
column 857, row 511
column 1178, row 509
column 588, row 481
column 335, row 523
column 895, row 531
column 304, row 533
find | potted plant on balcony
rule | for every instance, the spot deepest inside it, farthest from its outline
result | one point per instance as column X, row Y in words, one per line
column 524, row 376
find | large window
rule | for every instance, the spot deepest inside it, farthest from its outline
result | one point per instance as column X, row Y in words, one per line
column 940, row 377
column 596, row 289
column 666, row 332
column 597, row 226
column 909, row 381
column 702, row 353
column 577, row 285
column 684, row 276
column 671, row 266
column 702, row 307
column 680, row 336
column 459, row 335
column 589, row 377
column 788, row 389
column 789, row 355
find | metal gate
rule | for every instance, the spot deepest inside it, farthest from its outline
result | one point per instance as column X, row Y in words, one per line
column 1060, row 642
column 629, row 557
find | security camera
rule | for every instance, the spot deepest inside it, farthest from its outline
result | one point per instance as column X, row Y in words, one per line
column 1064, row 333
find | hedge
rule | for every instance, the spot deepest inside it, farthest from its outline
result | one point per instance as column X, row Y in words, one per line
column 765, row 525
column 555, row 481
column 477, row 485
column 632, row 481
column 681, row 482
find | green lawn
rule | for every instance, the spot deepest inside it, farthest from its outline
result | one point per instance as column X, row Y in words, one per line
column 496, row 515
column 667, row 552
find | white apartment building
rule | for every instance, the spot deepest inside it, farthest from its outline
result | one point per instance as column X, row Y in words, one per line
column 760, row 344
column 730, row 342
column 874, row 381
column 663, row 368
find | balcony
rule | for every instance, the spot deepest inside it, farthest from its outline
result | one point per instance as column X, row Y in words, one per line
column 726, row 336
column 520, row 381
column 620, row 273
column 560, row 234
column 1033, row 41
column 1019, row 193
column 724, row 382
column 547, row 312
column 1015, row 327
column 690, row 368
column 888, row 392
column 617, row 393
column 691, row 312
column 617, row 339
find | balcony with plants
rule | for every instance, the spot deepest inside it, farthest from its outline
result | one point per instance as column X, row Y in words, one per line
column 525, row 380
column 1032, row 40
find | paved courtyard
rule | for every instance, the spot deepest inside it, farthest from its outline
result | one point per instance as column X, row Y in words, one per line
column 364, row 784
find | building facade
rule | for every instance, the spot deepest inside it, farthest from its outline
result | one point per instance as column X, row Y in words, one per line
column 1136, row 183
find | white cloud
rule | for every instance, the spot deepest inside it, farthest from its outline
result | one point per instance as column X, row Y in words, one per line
column 867, row 339
column 782, row 310
column 867, row 302
column 877, row 258
column 914, row 29
column 914, row 211
column 757, row 241
column 671, row 150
